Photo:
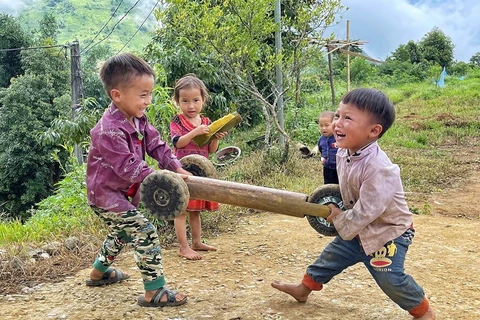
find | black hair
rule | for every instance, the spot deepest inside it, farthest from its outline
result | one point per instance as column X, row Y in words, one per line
column 190, row 81
column 375, row 102
column 120, row 70
column 327, row 114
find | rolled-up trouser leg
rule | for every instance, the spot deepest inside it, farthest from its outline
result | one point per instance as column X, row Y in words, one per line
column 387, row 268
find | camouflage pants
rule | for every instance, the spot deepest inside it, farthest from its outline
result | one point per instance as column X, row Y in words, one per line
column 131, row 228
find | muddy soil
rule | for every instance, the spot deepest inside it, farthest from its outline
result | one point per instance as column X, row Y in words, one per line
column 234, row 282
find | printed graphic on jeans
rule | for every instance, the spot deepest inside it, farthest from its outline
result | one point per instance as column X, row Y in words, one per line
column 380, row 258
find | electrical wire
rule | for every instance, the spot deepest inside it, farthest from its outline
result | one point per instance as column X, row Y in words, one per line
column 113, row 28
column 139, row 27
column 34, row 48
column 99, row 31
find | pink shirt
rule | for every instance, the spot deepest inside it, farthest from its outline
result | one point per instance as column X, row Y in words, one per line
column 116, row 159
column 178, row 129
column 372, row 192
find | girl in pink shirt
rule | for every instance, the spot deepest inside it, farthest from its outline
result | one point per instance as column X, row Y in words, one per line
column 190, row 94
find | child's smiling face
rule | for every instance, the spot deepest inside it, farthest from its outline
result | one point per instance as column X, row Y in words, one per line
column 354, row 128
column 134, row 99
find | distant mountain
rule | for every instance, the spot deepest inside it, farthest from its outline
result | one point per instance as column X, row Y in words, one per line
column 86, row 20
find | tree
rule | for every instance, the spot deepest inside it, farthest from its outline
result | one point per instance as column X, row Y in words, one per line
column 92, row 85
column 475, row 59
column 28, row 172
column 437, row 48
column 362, row 70
column 232, row 42
column 409, row 52
column 11, row 36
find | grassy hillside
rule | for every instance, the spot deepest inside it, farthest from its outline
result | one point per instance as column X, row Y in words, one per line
column 82, row 20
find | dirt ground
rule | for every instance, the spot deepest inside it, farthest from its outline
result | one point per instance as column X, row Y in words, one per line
column 234, row 282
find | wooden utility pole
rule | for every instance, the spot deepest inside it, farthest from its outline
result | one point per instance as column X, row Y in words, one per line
column 76, row 87
column 330, row 73
column 278, row 71
column 348, row 55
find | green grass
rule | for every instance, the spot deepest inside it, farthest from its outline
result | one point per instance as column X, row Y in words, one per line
column 81, row 20
column 431, row 140
column 64, row 214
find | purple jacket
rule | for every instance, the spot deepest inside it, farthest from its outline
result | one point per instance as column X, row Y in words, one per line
column 116, row 159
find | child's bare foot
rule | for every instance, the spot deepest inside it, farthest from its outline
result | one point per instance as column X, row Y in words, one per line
column 427, row 316
column 203, row 247
column 299, row 291
column 189, row 254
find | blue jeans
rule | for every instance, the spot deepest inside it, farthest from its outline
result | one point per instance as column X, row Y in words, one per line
column 385, row 265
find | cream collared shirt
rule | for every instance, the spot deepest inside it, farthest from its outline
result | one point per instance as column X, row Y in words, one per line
column 372, row 192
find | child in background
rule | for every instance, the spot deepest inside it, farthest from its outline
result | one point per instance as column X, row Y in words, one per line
column 116, row 166
column 190, row 94
column 376, row 228
column 327, row 148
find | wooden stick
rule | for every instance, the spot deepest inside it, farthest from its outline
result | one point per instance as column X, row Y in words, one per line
column 255, row 197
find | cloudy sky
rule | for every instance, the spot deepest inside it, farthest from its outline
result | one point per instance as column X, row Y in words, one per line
column 386, row 24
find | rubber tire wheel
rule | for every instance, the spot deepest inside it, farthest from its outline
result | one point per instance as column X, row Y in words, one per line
column 326, row 194
column 164, row 194
column 198, row 166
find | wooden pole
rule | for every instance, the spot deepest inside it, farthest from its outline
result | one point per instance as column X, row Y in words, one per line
column 278, row 71
column 330, row 73
column 255, row 197
column 348, row 56
column 76, row 88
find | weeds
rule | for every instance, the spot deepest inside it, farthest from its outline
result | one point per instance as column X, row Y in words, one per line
column 434, row 141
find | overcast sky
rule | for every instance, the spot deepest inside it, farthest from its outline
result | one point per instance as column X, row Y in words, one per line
column 386, row 24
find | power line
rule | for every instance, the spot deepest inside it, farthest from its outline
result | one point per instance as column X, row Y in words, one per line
column 113, row 28
column 34, row 48
column 139, row 27
column 99, row 31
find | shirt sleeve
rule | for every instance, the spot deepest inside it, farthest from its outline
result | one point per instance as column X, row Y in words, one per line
column 322, row 150
column 113, row 146
column 175, row 132
column 175, row 129
column 159, row 150
column 377, row 192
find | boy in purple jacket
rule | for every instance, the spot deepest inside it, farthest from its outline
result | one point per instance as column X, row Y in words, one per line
column 376, row 228
column 116, row 166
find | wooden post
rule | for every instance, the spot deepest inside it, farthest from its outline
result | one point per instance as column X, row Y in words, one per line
column 278, row 71
column 330, row 73
column 76, row 88
column 348, row 56
column 255, row 197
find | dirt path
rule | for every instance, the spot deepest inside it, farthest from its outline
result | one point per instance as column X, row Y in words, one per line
column 234, row 282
